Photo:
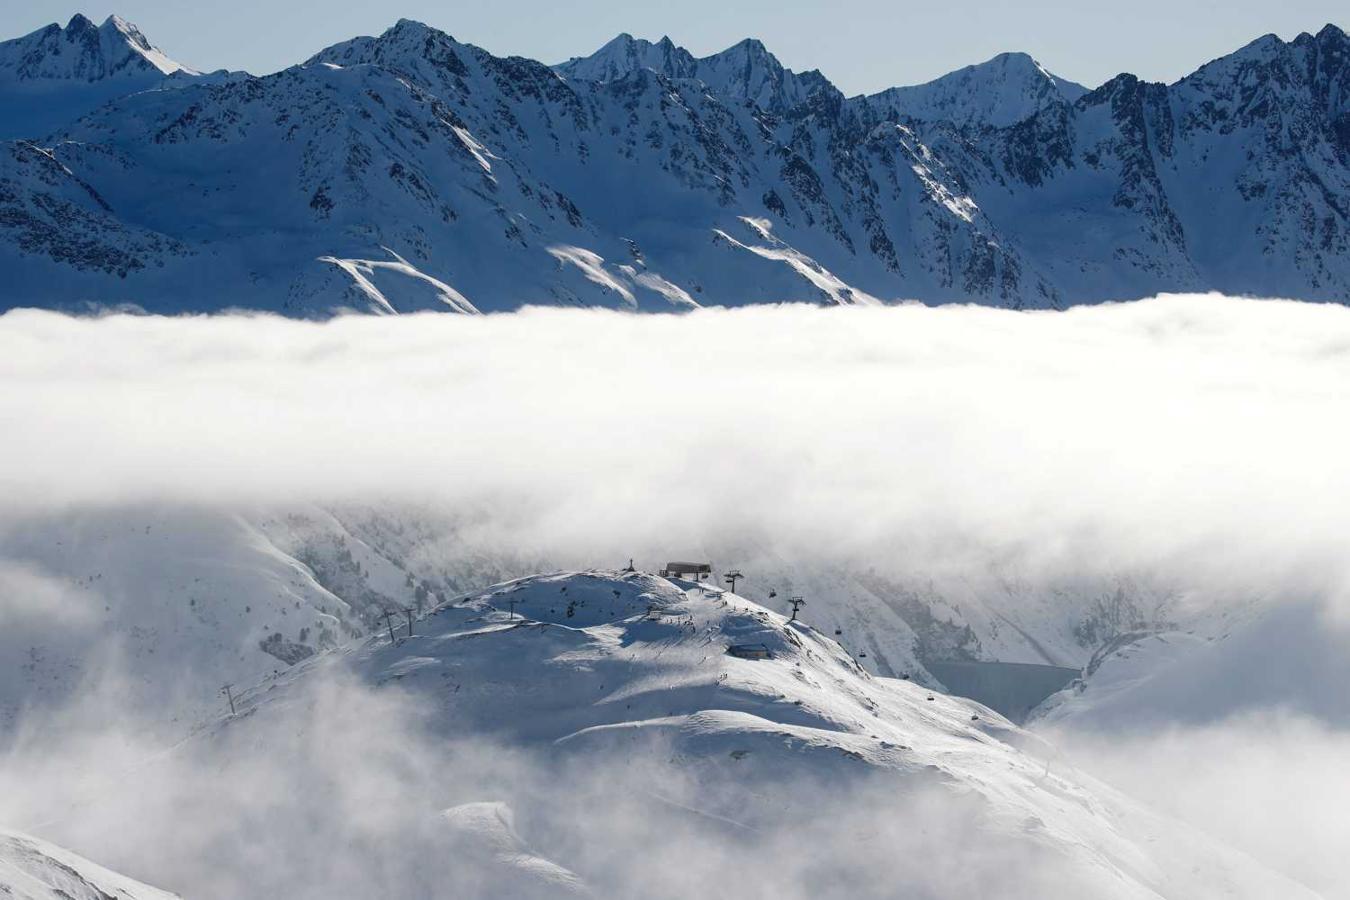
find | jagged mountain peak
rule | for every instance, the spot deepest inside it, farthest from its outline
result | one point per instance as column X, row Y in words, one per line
column 414, row 28
column 83, row 51
column 626, row 54
column 406, row 36
column 1329, row 39
column 1125, row 81
column 1268, row 41
column 408, row 47
column 745, row 71
column 1270, row 67
column 436, row 62
column 54, row 75
column 1018, row 65
column 1016, row 61
column 137, row 39
column 753, row 48
column 748, row 71
column 1329, row 32
column 1271, row 47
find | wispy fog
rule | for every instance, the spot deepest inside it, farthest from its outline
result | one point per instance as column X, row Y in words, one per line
column 1270, row 784
column 341, row 791
column 1199, row 443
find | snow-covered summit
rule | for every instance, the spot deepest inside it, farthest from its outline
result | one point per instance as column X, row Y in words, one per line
column 55, row 75
column 1004, row 90
column 83, row 51
column 1257, row 80
column 626, row 54
column 745, row 71
column 1000, row 92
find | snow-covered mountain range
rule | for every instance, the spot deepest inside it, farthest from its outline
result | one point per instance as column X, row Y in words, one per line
column 410, row 171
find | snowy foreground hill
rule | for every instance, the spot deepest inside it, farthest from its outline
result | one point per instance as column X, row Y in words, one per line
column 32, row 869
column 729, row 717
column 410, row 171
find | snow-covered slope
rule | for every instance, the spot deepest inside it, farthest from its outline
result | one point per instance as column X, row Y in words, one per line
column 32, row 869
column 165, row 604
column 1290, row 658
column 485, row 833
column 55, row 75
column 610, row 665
column 410, row 171
column 1232, row 179
column 174, row 602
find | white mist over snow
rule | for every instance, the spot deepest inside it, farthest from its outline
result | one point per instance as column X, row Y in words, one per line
column 1194, row 442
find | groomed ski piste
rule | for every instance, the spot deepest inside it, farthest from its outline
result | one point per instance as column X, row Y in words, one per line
column 744, row 723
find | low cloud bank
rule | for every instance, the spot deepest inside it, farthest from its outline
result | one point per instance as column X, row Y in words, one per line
column 1201, row 433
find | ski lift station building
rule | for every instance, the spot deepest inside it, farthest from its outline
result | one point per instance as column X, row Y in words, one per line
column 693, row 570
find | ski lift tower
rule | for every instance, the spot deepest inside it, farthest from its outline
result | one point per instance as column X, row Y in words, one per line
column 731, row 578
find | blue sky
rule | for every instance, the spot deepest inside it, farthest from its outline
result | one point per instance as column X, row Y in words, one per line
column 861, row 45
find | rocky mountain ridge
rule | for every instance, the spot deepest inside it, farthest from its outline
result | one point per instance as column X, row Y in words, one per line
column 410, row 171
